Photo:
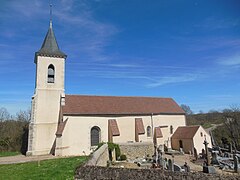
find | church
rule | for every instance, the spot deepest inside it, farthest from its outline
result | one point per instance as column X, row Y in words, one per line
column 64, row 125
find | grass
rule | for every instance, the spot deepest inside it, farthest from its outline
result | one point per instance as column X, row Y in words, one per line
column 207, row 125
column 6, row 153
column 62, row 168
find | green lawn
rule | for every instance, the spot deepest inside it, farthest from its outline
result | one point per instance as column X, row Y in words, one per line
column 207, row 125
column 62, row 168
column 6, row 153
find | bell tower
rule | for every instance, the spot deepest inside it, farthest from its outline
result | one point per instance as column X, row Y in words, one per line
column 49, row 88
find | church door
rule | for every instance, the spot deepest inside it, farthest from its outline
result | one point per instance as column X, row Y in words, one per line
column 95, row 136
column 180, row 144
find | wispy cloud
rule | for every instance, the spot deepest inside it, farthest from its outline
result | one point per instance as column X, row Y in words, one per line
column 89, row 37
column 230, row 61
column 93, row 36
column 27, row 9
column 125, row 65
column 173, row 80
column 213, row 23
column 220, row 96
column 200, row 44
column 148, row 75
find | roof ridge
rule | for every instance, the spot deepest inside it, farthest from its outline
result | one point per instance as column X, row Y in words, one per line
column 190, row 126
column 153, row 97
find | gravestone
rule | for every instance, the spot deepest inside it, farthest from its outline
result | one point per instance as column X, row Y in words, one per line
column 177, row 168
column 165, row 163
column 209, row 169
column 236, row 164
column 195, row 153
column 155, row 159
column 214, row 158
column 160, row 158
column 161, row 147
column 230, row 148
column 181, row 151
column 186, row 167
column 170, row 165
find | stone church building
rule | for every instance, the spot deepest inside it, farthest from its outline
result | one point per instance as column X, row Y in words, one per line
column 63, row 124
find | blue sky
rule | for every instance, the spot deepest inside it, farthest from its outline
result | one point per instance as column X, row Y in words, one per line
column 185, row 49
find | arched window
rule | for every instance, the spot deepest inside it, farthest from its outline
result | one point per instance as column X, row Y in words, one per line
column 51, row 73
column 95, row 136
column 171, row 129
column 149, row 131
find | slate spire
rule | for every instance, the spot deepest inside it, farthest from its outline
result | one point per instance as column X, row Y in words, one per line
column 50, row 46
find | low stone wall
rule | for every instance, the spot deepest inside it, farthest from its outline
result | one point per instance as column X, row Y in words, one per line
column 99, row 157
column 94, row 172
column 139, row 149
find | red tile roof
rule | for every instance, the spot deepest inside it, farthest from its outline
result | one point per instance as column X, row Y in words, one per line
column 185, row 132
column 158, row 132
column 60, row 128
column 139, row 126
column 97, row 105
column 112, row 123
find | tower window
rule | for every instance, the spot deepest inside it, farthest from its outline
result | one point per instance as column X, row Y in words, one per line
column 171, row 129
column 51, row 74
column 149, row 131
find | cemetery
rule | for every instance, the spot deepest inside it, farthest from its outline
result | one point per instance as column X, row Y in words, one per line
column 212, row 163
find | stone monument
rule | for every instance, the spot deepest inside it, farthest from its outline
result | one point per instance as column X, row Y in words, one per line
column 206, row 167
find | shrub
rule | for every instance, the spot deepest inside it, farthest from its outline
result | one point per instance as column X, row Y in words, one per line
column 13, row 136
column 99, row 145
column 112, row 146
column 123, row 157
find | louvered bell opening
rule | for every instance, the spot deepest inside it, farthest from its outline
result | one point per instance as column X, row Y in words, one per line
column 51, row 73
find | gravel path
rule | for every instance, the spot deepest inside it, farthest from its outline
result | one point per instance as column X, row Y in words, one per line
column 23, row 159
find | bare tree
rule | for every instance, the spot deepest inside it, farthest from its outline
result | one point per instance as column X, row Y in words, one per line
column 187, row 109
column 4, row 114
column 232, row 124
column 23, row 115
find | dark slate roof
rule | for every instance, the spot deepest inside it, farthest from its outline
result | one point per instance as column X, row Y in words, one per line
column 50, row 46
column 97, row 105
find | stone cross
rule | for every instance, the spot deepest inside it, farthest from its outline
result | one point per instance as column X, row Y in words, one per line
column 206, row 150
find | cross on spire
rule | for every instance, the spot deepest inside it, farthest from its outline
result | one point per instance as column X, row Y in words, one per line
column 50, row 5
column 50, row 47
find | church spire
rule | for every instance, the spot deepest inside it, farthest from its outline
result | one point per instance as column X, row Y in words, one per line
column 50, row 46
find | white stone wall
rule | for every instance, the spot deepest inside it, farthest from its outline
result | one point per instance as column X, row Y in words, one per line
column 198, row 140
column 45, row 105
column 99, row 157
column 168, row 120
column 137, row 149
column 76, row 136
